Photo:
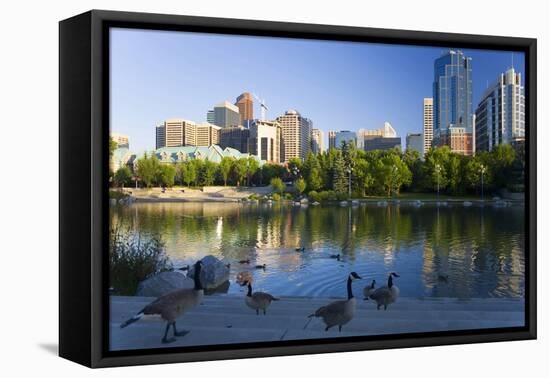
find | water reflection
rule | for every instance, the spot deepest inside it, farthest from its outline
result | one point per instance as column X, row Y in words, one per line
column 451, row 252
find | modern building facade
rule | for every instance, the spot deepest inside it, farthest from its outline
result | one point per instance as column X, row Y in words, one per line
column 500, row 115
column 452, row 102
column 224, row 114
column 386, row 131
column 121, row 140
column 317, row 141
column 381, row 143
column 265, row 140
column 331, row 139
column 235, row 137
column 180, row 132
column 428, row 124
column 160, row 136
column 212, row 153
column 415, row 142
column 245, row 103
column 296, row 135
column 345, row 136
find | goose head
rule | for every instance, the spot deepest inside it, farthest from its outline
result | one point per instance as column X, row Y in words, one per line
column 390, row 278
column 354, row 276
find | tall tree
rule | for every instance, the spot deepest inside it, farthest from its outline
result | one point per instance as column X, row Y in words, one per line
column 339, row 181
column 208, row 172
column 252, row 166
column 225, row 168
column 240, row 168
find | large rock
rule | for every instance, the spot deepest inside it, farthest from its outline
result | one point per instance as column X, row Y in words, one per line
column 213, row 273
column 163, row 283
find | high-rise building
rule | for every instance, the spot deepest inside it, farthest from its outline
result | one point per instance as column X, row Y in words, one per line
column 317, row 141
column 265, row 140
column 235, row 137
column 373, row 143
column 331, row 139
column 121, row 140
column 386, row 131
column 210, row 117
column 345, row 136
column 296, row 135
column 160, row 136
column 500, row 115
column 245, row 104
column 180, row 132
column 224, row 114
column 415, row 142
column 452, row 102
column 428, row 124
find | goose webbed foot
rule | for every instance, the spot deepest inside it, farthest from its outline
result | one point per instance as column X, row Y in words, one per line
column 180, row 333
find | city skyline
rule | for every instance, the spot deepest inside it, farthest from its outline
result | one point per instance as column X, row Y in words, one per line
column 337, row 85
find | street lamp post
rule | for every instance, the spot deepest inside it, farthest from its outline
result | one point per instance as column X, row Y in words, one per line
column 482, row 170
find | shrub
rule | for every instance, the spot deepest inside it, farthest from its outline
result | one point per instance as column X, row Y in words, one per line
column 288, row 196
column 276, row 197
column 133, row 258
column 314, row 196
column 277, row 185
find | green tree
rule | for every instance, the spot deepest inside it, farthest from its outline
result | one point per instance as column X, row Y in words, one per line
column 147, row 168
column 270, row 171
column 112, row 147
column 312, row 172
column 252, row 166
column 391, row 174
column 240, row 168
column 339, row 177
column 277, row 184
column 187, row 172
column 435, row 165
column 225, row 169
column 363, row 178
column 165, row 175
column 122, row 176
column 208, row 172
column 300, row 185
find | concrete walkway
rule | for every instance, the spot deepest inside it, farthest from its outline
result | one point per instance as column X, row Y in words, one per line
column 224, row 319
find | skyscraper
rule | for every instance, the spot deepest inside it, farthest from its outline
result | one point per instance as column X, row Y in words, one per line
column 121, row 140
column 317, row 141
column 415, row 142
column 160, row 136
column 246, row 108
column 331, row 139
column 235, row 137
column 428, row 124
column 345, row 136
column 386, row 131
column 224, row 114
column 179, row 132
column 500, row 115
column 265, row 140
column 296, row 135
column 452, row 101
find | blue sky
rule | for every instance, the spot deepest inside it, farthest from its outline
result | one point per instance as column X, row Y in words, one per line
column 157, row 75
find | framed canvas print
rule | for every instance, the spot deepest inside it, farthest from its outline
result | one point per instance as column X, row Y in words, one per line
column 234, row 188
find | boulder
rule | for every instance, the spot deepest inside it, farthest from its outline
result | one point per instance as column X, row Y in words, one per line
column 304, row 200
column 163, row 283
column 213, row 274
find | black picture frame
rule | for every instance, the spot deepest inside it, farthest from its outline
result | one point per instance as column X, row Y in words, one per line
column 83, row 195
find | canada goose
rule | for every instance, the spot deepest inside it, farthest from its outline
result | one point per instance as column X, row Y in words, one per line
column 386, row 294
column 228, row 266
column 171, row 305
column 258, row 300
column 184, row 268
column 337, row 257
column 247, row 261
column 263, row 266
column 368, row 290
column 300, row 249
column 338, row 313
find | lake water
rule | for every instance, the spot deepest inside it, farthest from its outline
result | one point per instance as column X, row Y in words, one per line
column 480, row 249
